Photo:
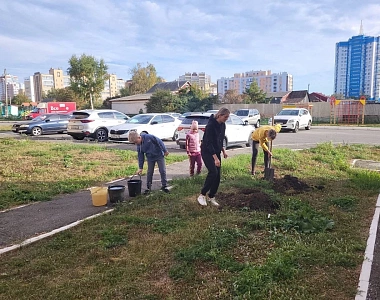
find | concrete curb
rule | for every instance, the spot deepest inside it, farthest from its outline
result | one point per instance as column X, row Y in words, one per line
column 368, row 256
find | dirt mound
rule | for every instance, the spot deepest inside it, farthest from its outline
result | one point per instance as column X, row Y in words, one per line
column 250, row 199
column 290, row 185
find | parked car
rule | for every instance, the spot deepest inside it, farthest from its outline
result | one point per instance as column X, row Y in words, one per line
column 237, row 131
column 43, row 124
column 174, row 114
column 181, row 117
column 251, row 115
column 213, row 111
column 162, row 126
column 293, row 119
column 16, row 126
column 94, row 123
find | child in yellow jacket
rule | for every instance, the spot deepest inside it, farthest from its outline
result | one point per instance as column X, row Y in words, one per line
column 262, row 136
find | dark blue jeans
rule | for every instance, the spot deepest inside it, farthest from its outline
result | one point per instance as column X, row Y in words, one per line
column 212, row 181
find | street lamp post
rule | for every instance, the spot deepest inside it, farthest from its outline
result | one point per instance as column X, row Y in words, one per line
column 6, row 93
column 92, row 104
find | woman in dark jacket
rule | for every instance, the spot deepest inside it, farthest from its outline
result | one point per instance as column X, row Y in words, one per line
column 212, row 146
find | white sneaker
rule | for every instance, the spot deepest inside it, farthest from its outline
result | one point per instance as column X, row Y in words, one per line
column 213, row 201
column 202, row 200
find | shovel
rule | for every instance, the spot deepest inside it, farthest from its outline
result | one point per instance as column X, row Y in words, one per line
column 269, row 172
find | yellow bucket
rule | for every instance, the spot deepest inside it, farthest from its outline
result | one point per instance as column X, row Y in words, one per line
column 99, row 195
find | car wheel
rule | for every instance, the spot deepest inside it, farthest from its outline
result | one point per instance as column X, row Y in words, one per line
column 249, row 142
column 36, row 131
column 101, row 135
column 175, row 135
column 308, row 127
column 257, row 124
column 296, row 127
column 182, row 146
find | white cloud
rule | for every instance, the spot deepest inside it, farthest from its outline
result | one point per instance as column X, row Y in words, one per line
column 218, row 37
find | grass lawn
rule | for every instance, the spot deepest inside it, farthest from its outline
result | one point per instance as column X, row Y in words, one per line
column 168, row 247
column 36, row 171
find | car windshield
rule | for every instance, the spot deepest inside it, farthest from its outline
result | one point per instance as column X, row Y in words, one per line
column 140, row 119
column 289, row 112
column 241, row 113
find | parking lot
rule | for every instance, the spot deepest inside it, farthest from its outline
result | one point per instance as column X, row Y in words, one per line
column 300, row 140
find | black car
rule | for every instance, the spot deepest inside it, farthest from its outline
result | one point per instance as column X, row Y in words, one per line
column 43, row 124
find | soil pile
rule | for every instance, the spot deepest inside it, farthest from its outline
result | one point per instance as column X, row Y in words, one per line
column 255, row 199
column 290, row 185
column 250, row 199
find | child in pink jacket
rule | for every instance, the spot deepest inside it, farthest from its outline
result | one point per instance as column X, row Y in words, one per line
column 193, row 148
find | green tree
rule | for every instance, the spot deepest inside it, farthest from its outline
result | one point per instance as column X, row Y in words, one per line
column 87, row 77
column 143, row 78
column 162, row 101
column 255, row 94
column 194, row 99
column 62, row 95
column 20, row 99
column 124, row 92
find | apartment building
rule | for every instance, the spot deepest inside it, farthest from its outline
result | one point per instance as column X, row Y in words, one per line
column 267, row 82
column 202, row 80
column 357, row 67
column 112, row 87
column 29, row 88
column 43, row 83
column 9, row 86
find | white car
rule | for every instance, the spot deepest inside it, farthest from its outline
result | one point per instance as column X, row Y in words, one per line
column 162, row 126
column 94, row 123
column 293, row 119
column 237, row 131
column 251, row 115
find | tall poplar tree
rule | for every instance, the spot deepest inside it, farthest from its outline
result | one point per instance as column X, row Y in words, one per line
column 87, row 77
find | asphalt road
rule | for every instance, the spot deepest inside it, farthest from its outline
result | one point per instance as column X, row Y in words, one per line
column 300, row 140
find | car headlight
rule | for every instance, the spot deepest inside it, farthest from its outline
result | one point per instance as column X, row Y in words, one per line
column 291, row 121
column 24, row 126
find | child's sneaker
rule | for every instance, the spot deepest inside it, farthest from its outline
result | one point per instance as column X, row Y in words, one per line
column 213, row 201
column 146, row 192
column 202, row 200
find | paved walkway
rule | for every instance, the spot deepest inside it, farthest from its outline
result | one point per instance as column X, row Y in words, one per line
column 30, row 223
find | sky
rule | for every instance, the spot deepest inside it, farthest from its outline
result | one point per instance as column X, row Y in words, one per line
column 218, row 37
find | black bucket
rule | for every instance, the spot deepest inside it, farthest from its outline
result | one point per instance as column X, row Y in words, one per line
column 116, row 193
column 134, row 187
